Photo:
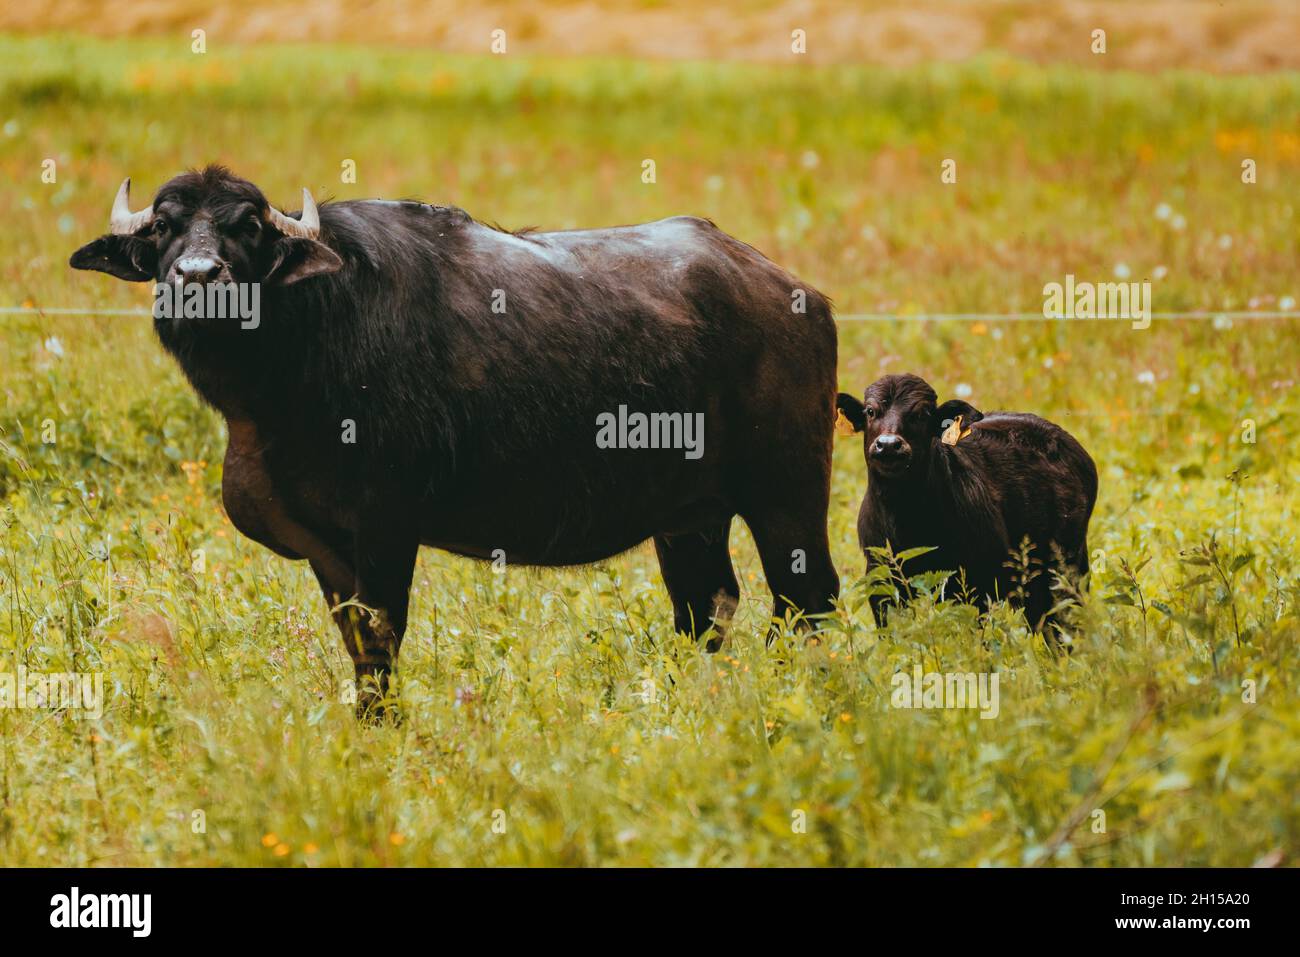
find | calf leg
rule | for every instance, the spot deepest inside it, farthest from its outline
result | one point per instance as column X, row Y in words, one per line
column 1074, row 568
column 697, row 571
column 880, row 608
column 1038, row 601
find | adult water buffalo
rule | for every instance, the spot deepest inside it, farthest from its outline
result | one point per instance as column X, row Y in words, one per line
column 416, row 377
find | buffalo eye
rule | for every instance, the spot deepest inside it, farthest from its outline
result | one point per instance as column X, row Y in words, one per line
column 160, row 227
column 251, row 226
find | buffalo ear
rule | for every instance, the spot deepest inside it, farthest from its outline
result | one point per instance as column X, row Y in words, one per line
column 297, row 259
column 126, row 257
column 851, row 410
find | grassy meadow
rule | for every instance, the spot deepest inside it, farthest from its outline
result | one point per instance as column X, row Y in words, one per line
column 551, row 716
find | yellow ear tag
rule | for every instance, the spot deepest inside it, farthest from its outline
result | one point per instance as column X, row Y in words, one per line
column 953, row 433
column 842, row 424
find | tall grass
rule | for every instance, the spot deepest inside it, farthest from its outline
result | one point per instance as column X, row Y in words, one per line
column 561, row 699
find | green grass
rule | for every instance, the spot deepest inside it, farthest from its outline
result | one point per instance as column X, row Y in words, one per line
column 525, row 692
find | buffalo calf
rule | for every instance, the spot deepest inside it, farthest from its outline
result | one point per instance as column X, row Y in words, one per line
column 974, row 487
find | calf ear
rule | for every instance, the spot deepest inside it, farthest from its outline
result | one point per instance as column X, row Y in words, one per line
column 126, row 257
column 851, row 410
column 947, row 412
column 297, row 259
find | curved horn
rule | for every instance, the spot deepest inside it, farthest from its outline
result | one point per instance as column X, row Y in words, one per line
column 123, row 222
column 306, row 228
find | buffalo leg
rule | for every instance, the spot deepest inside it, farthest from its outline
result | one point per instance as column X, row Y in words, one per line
column 796, row 558
column 381, row 582
column 697, row 571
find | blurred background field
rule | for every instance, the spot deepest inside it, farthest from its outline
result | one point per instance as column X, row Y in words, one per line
column 526, row 692
column 1237, row 36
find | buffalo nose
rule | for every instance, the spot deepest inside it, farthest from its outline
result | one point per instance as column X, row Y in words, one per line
column 888, row 443
column 197, row 269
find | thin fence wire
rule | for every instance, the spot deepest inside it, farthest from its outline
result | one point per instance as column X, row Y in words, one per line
column 1198, row 316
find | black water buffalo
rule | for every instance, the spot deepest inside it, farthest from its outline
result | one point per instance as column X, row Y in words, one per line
column 973, row 486
column 416, row 377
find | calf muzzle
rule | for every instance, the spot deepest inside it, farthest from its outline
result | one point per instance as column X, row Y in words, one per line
column 889, row 453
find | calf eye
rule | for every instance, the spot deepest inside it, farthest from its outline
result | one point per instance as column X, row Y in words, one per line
column 871, row 413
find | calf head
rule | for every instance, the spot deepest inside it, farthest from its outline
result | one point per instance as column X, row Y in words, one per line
column 208, row 226
column 900, row 424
